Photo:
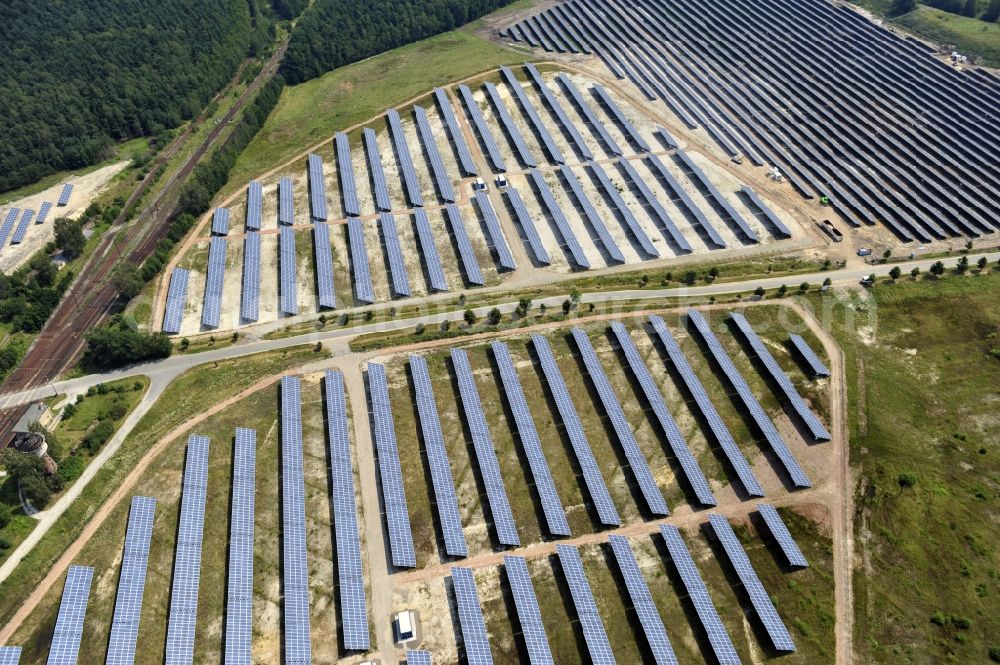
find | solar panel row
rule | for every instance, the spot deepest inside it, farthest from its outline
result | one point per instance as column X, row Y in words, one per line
column 773, row 221
column 255, row 205
column 425, row 238
column 405, row 160
column 286, row 204
column 22, row 227
column 382, row 199
column 438, row 170
column 8, row 225
column 629, row 221
column 345, row 171
column 528, row 613
column 695, row 173
column 586, row 609
column 176, row 296
column 509, row 126
column 239, row 594
column 623, row 123
column 642, row 601
column 781, row 534
column 815, row 364
column 470, row 265
column 363, row 289
column 668, row 141
column 567, row 125
column 523, row 218
column 475, row 643
column 211, row 310
column 596, row 126
column 653, row 207
column 65, row 647
column 397, row 265
column 317, row 189
column 684, row 201
column 64, row 195
column 559, row 219
column 497, row 240
column 220, row 222
column 591, row 216
column 131, row 582
column 287, row 268
column 43, row 212
column 418, row 657
column 485, row 137
column 465, row 161
column 250, row 297
column 324, row 265
column 10, row 655
column 555, row 154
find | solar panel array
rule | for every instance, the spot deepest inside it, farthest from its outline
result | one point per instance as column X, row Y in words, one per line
column 715, row 423
column 295, row 569
column 485, row 136
column 816, row 428
column 642, row 601
column 470, row 265
column 397, row 265
column 8, row 224
column 438, row 169
column 43, row 212
column 673, row 433
column 405, row 160
column 654, row 208
column 211, row 310
column 762, row 604
column 239, row 594
column 715, row 195
column 470, row 618
column 631, row 223
column 176, row 296
column 65, row 648
column 592, row 477
column 255, row 205
column 22, row 227
column 815, row 364
column 350, row 572
column 591, row 216
column 382, row 199
column 718, row 637
column 437, row 457
column 640, row 467
column 586, row 609
column 496, row 237
column 363, row 289
column 596, row 126
column 287, row 267
column 345, row 170
column 684, row 202
column 425, row 238
column 669, row 141
column 418, row 657
column 757, row 412
column 396, row 514
column 567, row 125
column 64, row 195
column 10, row 655
column 559, row 219
column 773, row 220
column 509, row 126
column 286, row 204
column 781, row 534
column 324, row 265
column 317, row 188
column 555, row 154
column 535, row 243
column 482, row 441
column 131, row 582
column 220, row 222
column 555, row 514
column 187, row 557
column 528, row 613
column 627, row 127
column 465, row 162
column 250, row 296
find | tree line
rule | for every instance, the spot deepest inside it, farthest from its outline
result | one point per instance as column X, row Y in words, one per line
column 984, row 10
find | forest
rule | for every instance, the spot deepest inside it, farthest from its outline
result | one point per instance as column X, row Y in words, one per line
column 78, row 75
column 337, row 32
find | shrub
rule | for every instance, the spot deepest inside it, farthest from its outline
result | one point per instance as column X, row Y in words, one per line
column 117, row 411
column 71, row 468
column 907, row 479
column 495, row 316
column 69, row 411
column 98, row 436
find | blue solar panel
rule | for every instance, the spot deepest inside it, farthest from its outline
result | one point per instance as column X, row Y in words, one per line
column 131, row 582
column 624, row 214
column 592, row 477
column 220, row 221
column 713, row 193
column 255, row 205
column 668, row 141
column 722, row 646
column 187, row 557
column 470, row 264
column 722, row 435
column 405, row 160
column 317, row 188
column 22, row 227
column 773, row 220
column 425, row 238
column 656, row 211
column 176, row 297
column 673, row 433
column 642, row 601
column 211, row 310
column 67, row 191
column 65, row 648
column 418, row 657
column 345, row 170
column 762, row 604
column 569, row 128
column 492, row 149
column 813, row 423
column 287, row 268
column 8, row 224
column 555, row 154
column 555, row 212
column 286, row 203
column 396, row 514
column 397, row 265
column 815, row 364
column 43, row 212
column 555, row 514
column 350, row 572
column 239, row 594
column 437, row 457
column 627, row 127
column 324, row 265
column 295, row 568
column 586, row 609
column 465, row 161
column 470, row 618
column 10, row 655
column 363, row 290
column 640, row 467
column 776, row 526
column 250, row 298
column 382, row 199
column 496, row 237
column 596, row 126
column 527, row 227
column 528, row 613
column 440, row 173
column 757, row 412
column 681, row 198
column 510, row 128
column 482, row 441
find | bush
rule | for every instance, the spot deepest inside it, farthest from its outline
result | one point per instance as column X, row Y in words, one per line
column 71, row 468
column 495, row 316
column 117, row 344
column 69, row 411
column 35, row 491
column 117, row 411
column 98, row 436
column 907, row 479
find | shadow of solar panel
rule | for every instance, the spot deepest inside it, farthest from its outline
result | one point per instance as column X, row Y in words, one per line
column 555, row 514
column 176, row 296
column 220, row 221
column 567, row 125
column 485, row 136
column 528, row 613
column 596, row 126
column 239, row 592
column 627, row 127
column 382, row 199
column 65, row 647
column 527, row 226
column 586, row 609
column 510, row 128
column 470, row 618
column 286, row 204
column 465, row 161
column 255, row 205
column 482, row 441
column 397, row 266
column 642, row 602
column 295, row 569
column 781, row 534
column 345, row 170
column 470, row 265
column 211, row 310
column 405, row 159
column 815, row 364
column 441, row 177
column 629, row 221
column 773, row 220
column 656, row 211
column 363, row 290
column 655, row 503
column 497, row 240
column 668, row 141
column 695, row 173
column 559, row 219
column 555, row 154
column 324, row 265
column 287, row 268
column 131, row 582
column 682, row 200
column 425, row 237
